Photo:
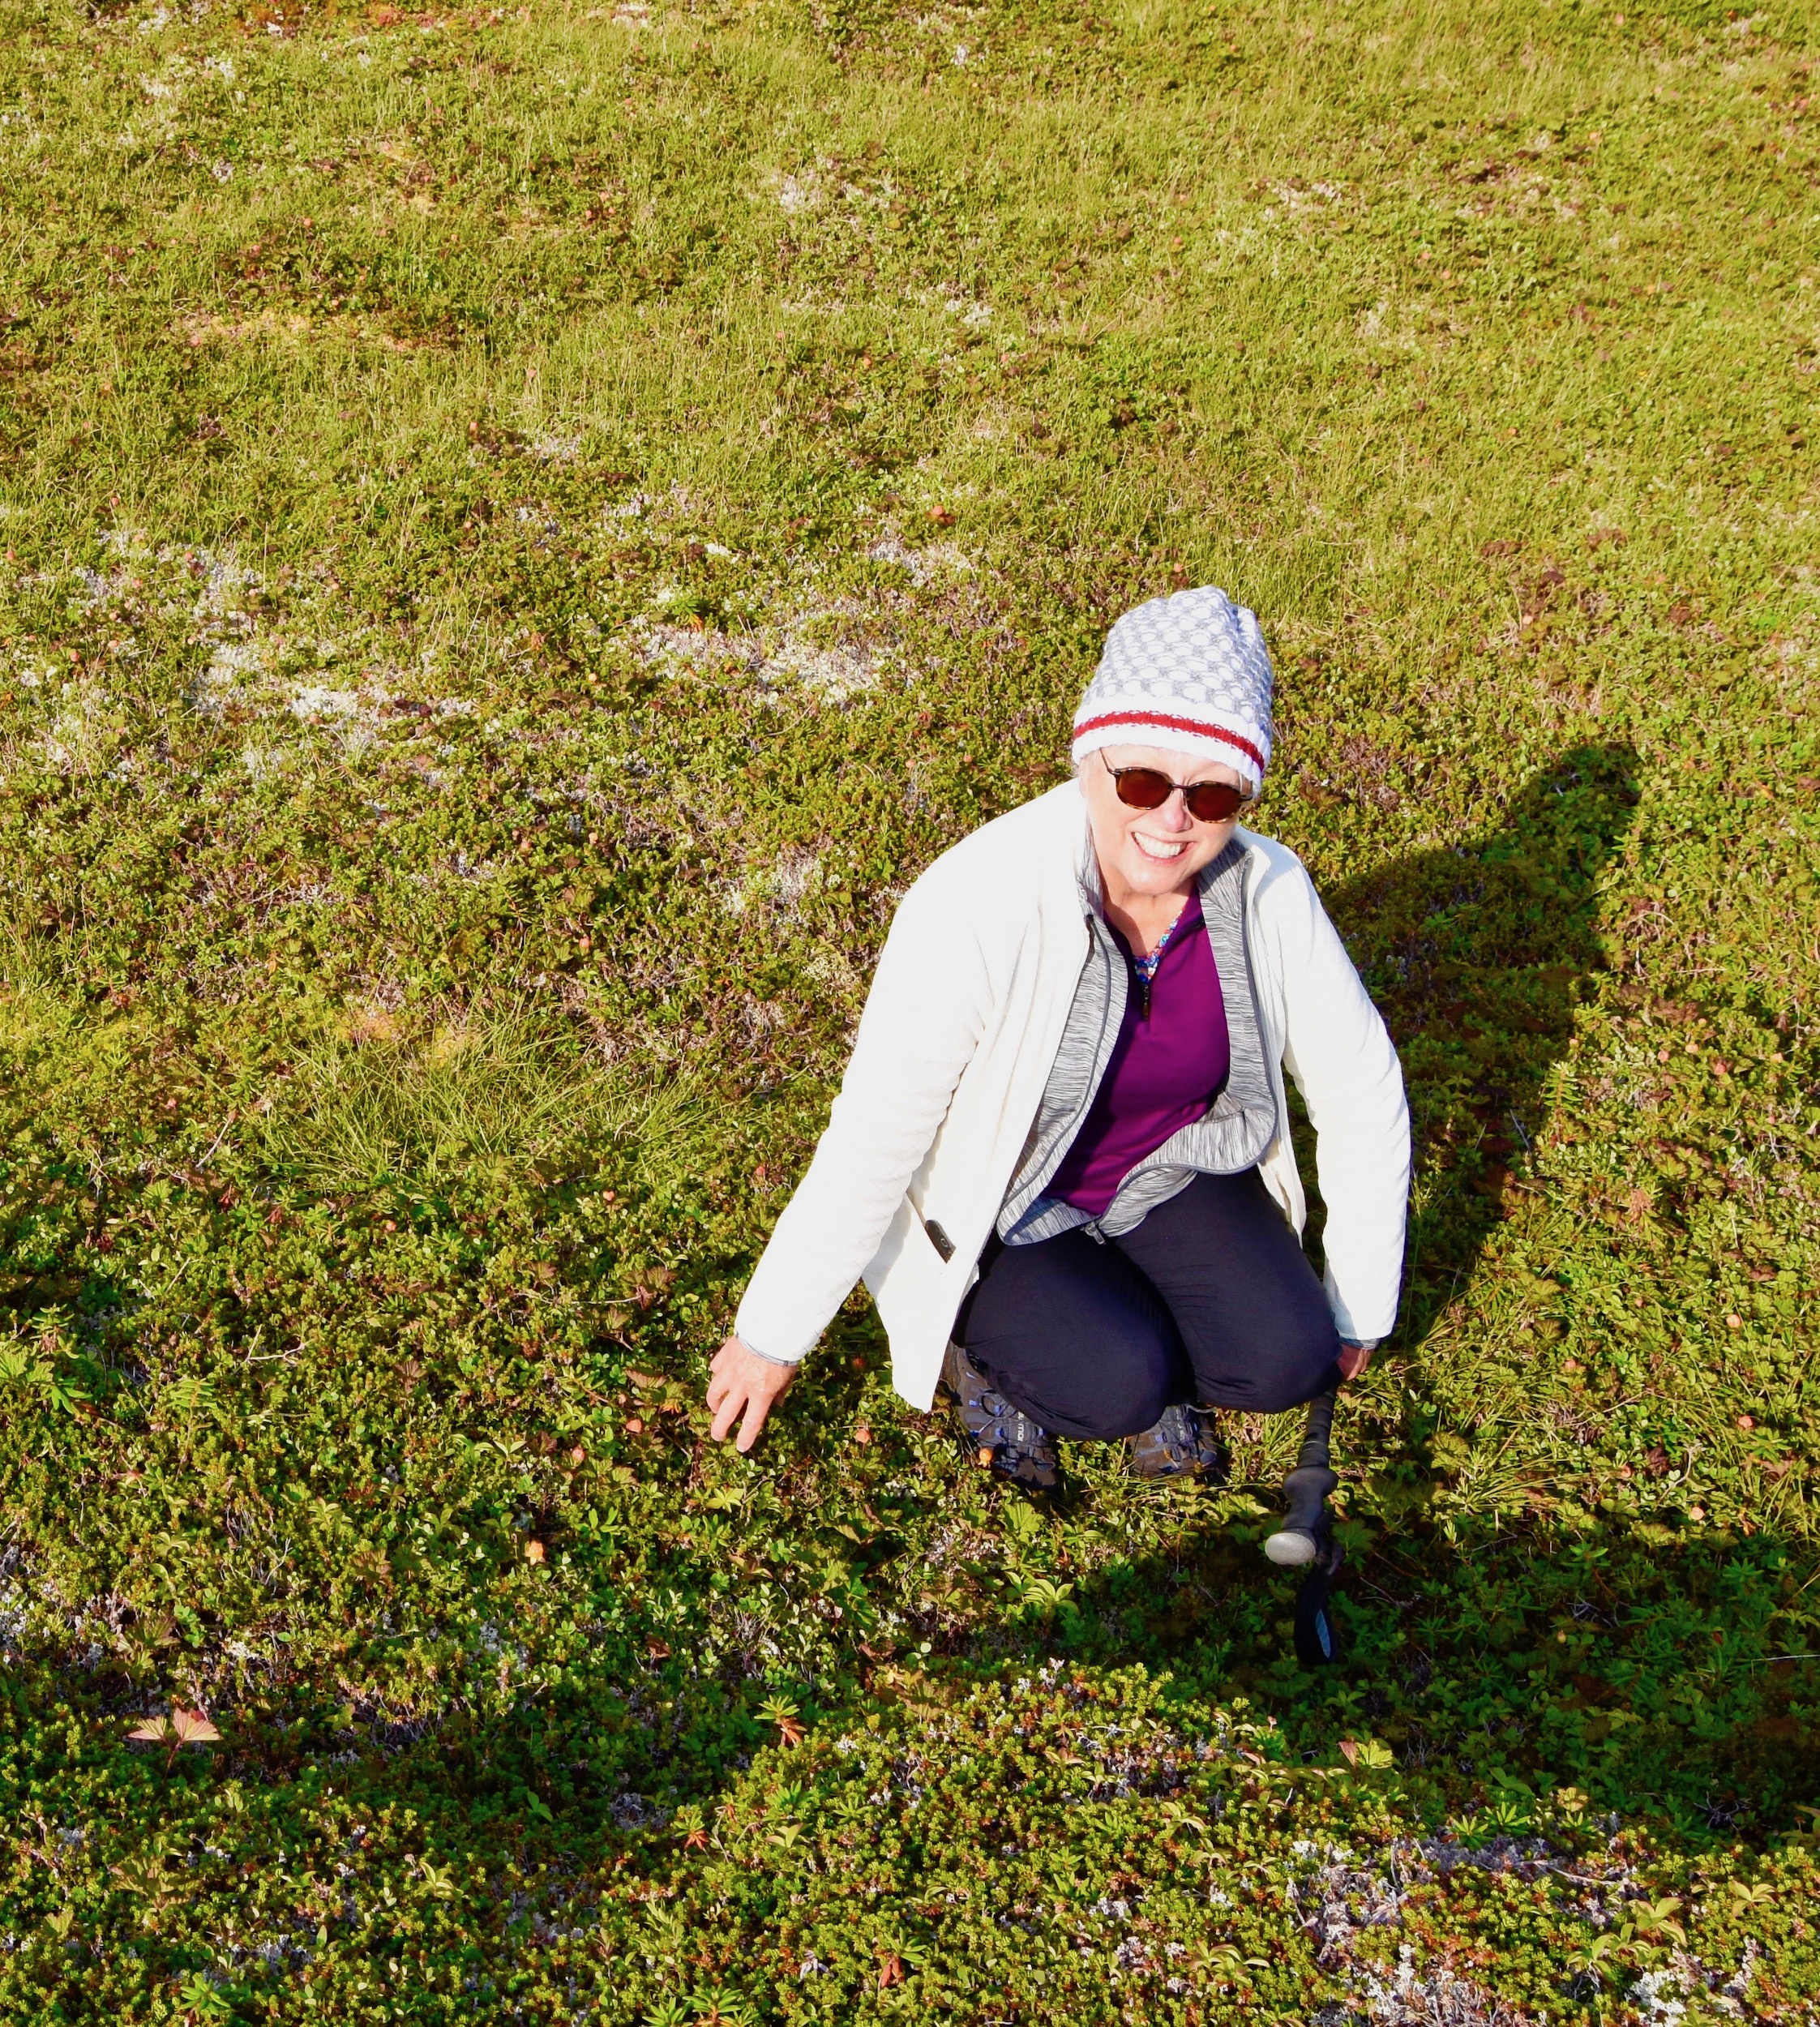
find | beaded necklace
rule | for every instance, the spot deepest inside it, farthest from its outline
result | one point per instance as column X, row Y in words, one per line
column 1145, row 968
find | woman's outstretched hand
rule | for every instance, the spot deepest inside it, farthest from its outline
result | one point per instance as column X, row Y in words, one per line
column 1353, row 1360
column 740, row 1383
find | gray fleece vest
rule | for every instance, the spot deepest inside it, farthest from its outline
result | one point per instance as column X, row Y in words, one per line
column 1228, row 1138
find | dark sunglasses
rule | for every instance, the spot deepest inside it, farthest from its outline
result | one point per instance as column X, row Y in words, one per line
column 1206, row 802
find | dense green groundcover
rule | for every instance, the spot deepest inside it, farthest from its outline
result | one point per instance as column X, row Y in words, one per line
column 523, row 530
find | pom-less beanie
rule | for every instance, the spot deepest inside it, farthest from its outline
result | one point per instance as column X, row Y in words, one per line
column 1189, row 673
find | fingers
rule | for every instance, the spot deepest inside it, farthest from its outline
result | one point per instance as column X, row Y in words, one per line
column 1353, row 1360
column 739, row 1385
column 724, row 1396
column 756, row 1410
column 726, row 1411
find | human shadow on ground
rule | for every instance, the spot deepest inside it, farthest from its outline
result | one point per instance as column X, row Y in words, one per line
column 1477, row 955
column 1591, row 1662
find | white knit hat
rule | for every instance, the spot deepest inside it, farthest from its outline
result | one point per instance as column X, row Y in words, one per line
column 1188, row 673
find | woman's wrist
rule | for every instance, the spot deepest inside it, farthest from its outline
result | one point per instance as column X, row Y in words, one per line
column 1355, row 1357
column 770, row 1358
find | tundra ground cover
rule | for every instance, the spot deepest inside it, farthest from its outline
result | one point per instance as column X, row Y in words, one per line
column 522, row 532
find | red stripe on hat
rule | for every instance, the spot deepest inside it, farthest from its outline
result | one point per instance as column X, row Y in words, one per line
column 1174, row 725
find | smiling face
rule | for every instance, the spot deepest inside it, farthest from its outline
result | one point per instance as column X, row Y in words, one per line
column 1151, row 851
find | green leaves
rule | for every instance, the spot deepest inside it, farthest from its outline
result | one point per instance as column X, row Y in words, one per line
column 189, row 1400
column 1043, row 1595
column 37, row 1381
column 1647, row 1925
column 1371, row 1754
column 782, row 1712
column 203, row 2001
column 440, row 1884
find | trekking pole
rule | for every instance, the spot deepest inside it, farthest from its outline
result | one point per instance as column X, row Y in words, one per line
column 1306, row 1536
column 1306, row 1488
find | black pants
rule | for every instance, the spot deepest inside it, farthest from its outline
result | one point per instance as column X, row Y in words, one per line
column 1211, row 1299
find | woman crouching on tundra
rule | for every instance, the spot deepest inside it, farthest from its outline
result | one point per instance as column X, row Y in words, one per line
column 1060, row 1156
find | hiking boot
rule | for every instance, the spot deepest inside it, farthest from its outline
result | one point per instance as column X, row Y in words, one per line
column 1182, row 1445
column 1001, row 1437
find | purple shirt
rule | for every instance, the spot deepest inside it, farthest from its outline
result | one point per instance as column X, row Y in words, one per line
column 1164, row 1071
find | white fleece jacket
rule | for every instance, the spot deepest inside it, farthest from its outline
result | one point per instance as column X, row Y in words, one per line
column 954, row 1049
